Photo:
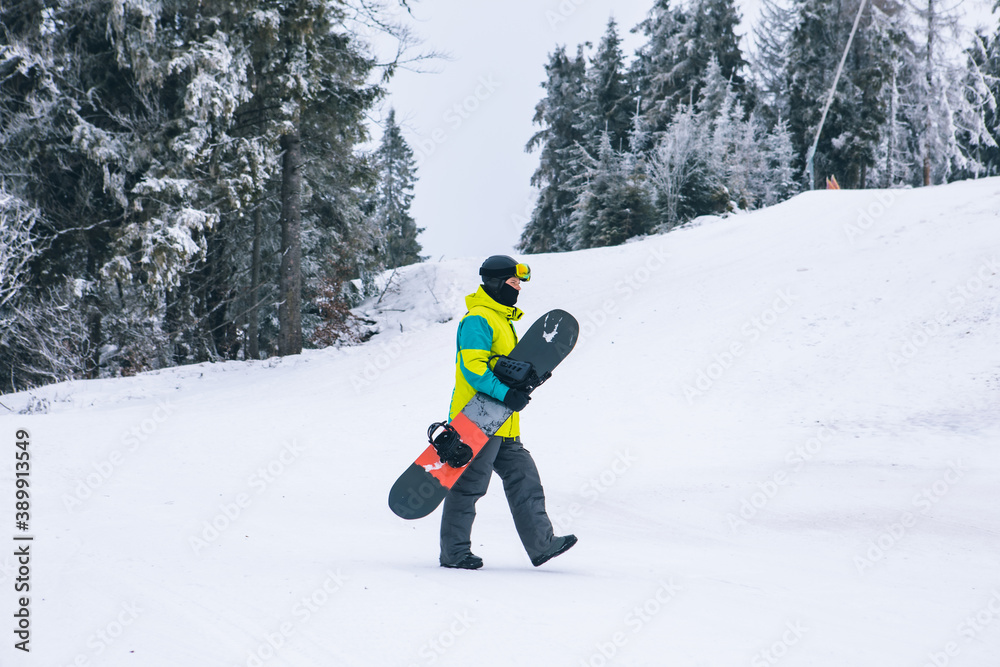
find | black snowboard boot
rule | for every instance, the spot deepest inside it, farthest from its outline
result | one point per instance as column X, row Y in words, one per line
column 559, row 545
column 468, row 562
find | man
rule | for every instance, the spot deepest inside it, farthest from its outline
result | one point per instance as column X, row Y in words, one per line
column 487, row 329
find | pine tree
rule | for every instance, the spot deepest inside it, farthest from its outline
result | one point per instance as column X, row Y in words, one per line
column 310, row 95
column 614, row 203
column 559, row 115
column 872, row 53
column 395, row 168
column 717, row 158
column 612, row 197
column 990, row 71
column 342, row 240
column 101, row 132
column 852, row 134
column 17, row 246
column 287, row 40
column 709, row 32
column 809, row 74
column 940, row 108
column 146, row 137
column 677, row 169
column 608, row 102
column 734, row 157
column 717, row 95
column 979, row 133
column 213, row 79
column 780, row 183
column 896, row 160
column 655, row 62
column 772, row 35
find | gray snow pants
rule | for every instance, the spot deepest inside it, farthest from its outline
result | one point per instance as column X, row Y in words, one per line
column 524, row 492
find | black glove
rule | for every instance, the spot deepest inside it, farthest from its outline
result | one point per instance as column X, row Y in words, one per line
column 516, row 399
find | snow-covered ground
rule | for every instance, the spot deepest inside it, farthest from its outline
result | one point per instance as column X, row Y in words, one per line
column 777, row 441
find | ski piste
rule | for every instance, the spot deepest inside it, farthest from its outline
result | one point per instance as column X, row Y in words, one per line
column 426, row 482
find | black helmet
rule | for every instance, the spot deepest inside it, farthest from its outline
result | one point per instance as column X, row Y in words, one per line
column 498, row 266
column 504, row 267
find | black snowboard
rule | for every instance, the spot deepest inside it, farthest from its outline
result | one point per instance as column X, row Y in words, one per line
column 425, row 483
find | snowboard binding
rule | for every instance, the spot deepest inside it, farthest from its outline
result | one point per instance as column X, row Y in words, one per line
column 448, row 445
column 517, row 374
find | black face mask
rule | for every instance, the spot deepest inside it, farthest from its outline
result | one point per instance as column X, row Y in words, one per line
column 502, row 293
column 507, row 295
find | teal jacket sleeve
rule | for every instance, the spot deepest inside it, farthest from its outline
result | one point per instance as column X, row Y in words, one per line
column 475, row 339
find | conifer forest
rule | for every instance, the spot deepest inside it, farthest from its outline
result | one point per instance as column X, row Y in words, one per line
column 188, row 181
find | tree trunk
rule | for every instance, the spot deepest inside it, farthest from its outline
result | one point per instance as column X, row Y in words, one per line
column 929, row 126
column 890, row 159
column 95, row 340
column 95, row 333
column 253, row 342
column 290, row 307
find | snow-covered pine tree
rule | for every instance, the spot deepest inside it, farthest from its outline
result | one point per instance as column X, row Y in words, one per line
column 989, row 157
column 36, row 87
column 342, row 240
column 721, row 116
column 873, row 56
column 717, row 158
column 716, row 96
column 931, row 97
column 17, row 248
column 772, row 33
column 614, row 203
column 608, row 102
column 709, row 31
column 209, row 156
column 654, row 64
column 808, row 76
column 98, row 128
column 36, row 346
column 145, row 136
column 286, row 39
column 558, row 113
column 895, row 160
column 780, row 183
column 938, row 99
column 395, row 170
column 311, row 92
column 850, row 138
column 979, row 133
column 676, row 168
column 737, row 159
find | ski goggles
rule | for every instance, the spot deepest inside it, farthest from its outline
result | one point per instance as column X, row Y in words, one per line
column 523, row 272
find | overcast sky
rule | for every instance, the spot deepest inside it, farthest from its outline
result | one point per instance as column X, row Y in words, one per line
column 469, row 120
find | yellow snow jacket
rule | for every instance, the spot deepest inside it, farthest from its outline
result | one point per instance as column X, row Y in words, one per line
column 487, row 329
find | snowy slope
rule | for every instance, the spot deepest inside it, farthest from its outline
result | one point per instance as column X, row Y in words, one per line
column 776, row 440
